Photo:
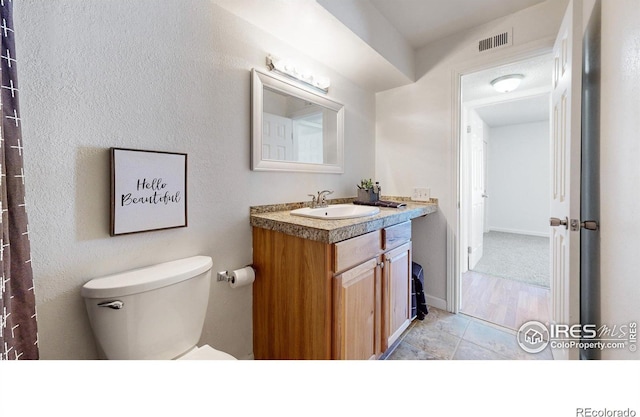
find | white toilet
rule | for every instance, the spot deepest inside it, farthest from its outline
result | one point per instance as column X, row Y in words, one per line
column 156, row 312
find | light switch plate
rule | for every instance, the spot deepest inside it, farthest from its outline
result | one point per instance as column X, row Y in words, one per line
column 421, row 194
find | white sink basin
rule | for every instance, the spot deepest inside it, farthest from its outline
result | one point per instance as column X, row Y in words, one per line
column 336, row 211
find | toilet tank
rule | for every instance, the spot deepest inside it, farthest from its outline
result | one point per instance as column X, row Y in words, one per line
column 156, row 312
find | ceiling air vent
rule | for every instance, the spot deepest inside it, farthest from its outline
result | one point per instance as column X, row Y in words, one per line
column 496, row 41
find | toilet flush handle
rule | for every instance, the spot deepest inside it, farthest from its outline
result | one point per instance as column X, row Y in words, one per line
column 116, row 305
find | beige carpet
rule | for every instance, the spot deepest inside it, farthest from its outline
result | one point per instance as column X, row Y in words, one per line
column 518, row 257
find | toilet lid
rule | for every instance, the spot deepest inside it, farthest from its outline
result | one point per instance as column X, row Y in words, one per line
column 206, row 352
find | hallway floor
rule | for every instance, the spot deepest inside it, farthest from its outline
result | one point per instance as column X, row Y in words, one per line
column 442, row 335
column 502, row 301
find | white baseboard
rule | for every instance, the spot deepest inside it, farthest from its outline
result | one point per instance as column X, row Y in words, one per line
column 518, row 232
column 436, row 302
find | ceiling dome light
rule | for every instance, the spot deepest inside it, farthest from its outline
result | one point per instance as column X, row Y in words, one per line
column 507, row 83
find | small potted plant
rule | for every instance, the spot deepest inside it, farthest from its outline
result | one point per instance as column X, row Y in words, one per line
column 368, row 192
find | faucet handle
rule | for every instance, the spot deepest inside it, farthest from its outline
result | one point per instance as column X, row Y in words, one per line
column 313, row 200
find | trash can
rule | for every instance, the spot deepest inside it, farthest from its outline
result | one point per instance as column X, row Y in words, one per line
column 418, row 300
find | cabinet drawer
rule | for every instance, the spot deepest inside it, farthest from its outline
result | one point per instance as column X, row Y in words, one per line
column 395, row 236
column 354, row 251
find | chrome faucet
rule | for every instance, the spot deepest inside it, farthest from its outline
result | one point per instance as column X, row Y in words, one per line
column 320, row 200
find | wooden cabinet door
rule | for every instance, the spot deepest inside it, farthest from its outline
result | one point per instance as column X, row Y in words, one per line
column 396, row 294
column 357, row 320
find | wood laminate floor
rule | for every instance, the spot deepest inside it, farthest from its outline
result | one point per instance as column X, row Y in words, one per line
column 502, row 301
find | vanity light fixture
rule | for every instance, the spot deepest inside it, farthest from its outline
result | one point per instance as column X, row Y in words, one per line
column 290, row 69
column 507, row 83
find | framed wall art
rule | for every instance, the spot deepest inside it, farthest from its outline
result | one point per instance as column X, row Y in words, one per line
column 148, row 190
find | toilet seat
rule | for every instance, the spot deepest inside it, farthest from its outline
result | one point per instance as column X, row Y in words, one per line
column 205, row 352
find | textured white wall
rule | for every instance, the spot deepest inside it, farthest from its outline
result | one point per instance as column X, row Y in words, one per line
column 413, row 125
column 170, row 76
column 518, row 178
column 366, row 21
column 619, row 172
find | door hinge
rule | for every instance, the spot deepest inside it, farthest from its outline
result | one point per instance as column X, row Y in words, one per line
column 469, row 250
column 468, row 129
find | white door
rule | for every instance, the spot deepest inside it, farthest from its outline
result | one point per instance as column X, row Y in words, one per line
column 476, row 137
column 308, row 133
column 565, row 173
column 277, row 138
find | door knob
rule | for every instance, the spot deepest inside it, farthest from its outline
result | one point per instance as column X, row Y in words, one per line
column 554, row 221
column 485, row 196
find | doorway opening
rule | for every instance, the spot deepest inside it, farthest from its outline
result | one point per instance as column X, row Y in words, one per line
column 504, row 176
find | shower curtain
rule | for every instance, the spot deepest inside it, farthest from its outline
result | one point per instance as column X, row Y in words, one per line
column 18, row 326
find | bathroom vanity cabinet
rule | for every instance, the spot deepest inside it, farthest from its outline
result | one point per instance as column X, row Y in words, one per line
column 345, row 300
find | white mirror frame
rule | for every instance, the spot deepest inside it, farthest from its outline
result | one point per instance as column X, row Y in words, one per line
column 259, row 80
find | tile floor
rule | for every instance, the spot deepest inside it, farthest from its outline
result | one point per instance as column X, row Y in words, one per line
column 442, row 335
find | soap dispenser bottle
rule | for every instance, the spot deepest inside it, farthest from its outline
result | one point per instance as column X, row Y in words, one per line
column 377, row 188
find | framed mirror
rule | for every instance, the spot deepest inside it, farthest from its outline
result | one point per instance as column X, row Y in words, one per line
column 293, row 128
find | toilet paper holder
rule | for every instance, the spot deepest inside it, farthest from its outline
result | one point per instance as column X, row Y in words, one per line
column 227, row 277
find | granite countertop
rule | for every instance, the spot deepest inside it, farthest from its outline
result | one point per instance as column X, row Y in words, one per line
column 278, row 218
